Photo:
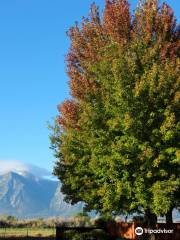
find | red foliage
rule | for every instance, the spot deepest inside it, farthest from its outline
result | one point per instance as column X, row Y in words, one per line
column 150, row 26
column 69, row 114
column 85, row 44
column 169, row 33
column 117, row 20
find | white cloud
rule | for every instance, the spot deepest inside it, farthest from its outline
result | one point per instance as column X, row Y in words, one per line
column 12, row 165
column 18, row 166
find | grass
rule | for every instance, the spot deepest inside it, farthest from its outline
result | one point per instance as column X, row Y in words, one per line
column 24, row 232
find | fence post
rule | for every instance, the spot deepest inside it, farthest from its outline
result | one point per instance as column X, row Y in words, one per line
column 133, row 231
column 5, row 232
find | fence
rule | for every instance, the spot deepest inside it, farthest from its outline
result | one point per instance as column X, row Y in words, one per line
column 118, row 229
column 160, row 231
column 128, row 231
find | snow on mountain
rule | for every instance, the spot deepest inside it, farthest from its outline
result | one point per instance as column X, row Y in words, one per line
column 25, row 195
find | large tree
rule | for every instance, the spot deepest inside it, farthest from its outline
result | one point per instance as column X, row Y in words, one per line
column 117, row 138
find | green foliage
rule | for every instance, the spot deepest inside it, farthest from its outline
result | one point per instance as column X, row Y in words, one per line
column 95, row 234
column 117, row 139
column 163, row 195
column 9, row 218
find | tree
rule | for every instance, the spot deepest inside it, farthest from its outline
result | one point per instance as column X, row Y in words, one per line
column 117, row 138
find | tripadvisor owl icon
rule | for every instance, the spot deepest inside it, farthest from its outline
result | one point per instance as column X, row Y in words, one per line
column 139, row 231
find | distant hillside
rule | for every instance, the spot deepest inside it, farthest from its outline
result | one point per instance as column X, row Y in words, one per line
column 26, row 196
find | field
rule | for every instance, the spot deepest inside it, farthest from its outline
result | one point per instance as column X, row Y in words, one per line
column 27, row 232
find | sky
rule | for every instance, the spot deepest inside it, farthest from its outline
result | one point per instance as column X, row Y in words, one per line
column 33, row 80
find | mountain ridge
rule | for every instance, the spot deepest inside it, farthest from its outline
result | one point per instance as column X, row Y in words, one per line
column 26, row 196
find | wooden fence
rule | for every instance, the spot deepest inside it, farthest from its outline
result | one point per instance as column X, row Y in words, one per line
column 128, row 231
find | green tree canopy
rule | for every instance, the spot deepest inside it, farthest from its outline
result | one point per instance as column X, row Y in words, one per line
column 117, row 139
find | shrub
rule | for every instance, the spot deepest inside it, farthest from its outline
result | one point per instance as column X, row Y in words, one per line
column 93, row 235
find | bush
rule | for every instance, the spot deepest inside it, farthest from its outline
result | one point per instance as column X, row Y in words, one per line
column 93, row 235
column 103, row 221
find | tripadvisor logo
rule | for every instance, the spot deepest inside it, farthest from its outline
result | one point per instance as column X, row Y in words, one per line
column 139, row 231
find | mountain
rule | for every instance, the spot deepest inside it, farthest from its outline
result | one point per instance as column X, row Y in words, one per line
column 27, row 196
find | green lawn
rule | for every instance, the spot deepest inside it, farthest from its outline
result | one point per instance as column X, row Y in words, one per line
column 23, row 232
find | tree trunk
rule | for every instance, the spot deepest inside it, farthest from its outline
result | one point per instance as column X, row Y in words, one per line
column 150, row 218
column 169, row 218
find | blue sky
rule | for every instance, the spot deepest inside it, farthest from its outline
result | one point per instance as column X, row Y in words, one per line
column 33, row 81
